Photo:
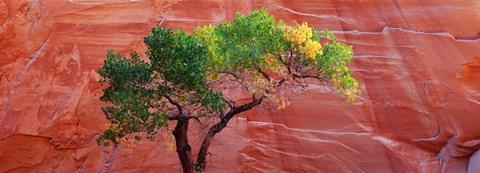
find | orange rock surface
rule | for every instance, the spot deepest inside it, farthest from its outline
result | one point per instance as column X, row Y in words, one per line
column 419, row 111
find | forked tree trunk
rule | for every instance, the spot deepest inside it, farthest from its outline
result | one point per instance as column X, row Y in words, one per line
column 202, row 153
column 183, row 148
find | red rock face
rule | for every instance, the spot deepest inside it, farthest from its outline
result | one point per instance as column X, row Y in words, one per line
column 419, row 111
column 469, row 78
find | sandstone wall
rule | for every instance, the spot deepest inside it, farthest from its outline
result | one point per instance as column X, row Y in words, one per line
column 419, row 111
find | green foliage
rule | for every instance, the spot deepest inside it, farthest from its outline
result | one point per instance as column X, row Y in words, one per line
column 131, row 98
column 332, row 65
column 186, row 73
column 178, row 58
column 242, row 43
column 181, row 62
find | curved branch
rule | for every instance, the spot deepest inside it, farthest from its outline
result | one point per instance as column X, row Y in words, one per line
column 280, row 82
column 264, row 74
column 179, row 107
column 309, row 76
column 230, row 103
column 202, row 153
column 237, row 78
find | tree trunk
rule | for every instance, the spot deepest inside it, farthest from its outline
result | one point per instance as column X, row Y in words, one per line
column 183, row 148
column 202, row 153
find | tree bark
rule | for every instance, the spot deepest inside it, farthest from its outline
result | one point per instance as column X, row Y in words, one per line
column 202, row 153
column 183, row 148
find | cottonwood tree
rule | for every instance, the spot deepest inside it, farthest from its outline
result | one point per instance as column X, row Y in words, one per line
column 187, row 74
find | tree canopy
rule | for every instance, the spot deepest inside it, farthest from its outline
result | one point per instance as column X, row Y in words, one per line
column 186, row 76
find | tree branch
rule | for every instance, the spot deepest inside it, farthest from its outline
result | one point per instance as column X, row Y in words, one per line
column 230, row 103
column 202, row 153
column 265, row 75
column 179, row 107
column 172, row 118
column 237, row 78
